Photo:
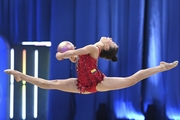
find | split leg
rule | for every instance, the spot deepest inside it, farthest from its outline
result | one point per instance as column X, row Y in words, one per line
column 115, row 83
column 66, row 85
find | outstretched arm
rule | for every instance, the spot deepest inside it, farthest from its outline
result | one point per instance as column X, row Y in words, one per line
column 89, row 49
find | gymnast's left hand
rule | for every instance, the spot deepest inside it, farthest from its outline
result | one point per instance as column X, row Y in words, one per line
column 73, row 59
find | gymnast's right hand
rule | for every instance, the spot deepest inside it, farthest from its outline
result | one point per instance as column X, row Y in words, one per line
column 58, row 56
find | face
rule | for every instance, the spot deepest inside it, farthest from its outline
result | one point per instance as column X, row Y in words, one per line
column 108, row 42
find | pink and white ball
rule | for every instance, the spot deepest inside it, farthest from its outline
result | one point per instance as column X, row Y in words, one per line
column 65, row 46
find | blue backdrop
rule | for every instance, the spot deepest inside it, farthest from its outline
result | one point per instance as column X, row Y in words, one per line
column 4, row 83
column 147, row 31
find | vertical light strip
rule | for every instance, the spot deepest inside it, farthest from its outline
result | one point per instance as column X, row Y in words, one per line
column 35, row 87
column 12, row 85
column 24, row 85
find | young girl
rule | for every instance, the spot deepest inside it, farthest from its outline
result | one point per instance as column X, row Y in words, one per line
column 90, row 78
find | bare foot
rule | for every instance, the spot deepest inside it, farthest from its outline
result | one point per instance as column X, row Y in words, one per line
column 168, row 66
column 15, row 73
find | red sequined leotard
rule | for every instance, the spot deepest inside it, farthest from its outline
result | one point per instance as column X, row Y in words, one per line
column 88, row 74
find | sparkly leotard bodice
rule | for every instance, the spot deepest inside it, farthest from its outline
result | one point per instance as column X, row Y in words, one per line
column 88, row 74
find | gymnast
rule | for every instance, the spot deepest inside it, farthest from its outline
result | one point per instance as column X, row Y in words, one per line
column 90, row 79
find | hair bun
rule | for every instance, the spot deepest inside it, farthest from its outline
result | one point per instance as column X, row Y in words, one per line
column 114, row 59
